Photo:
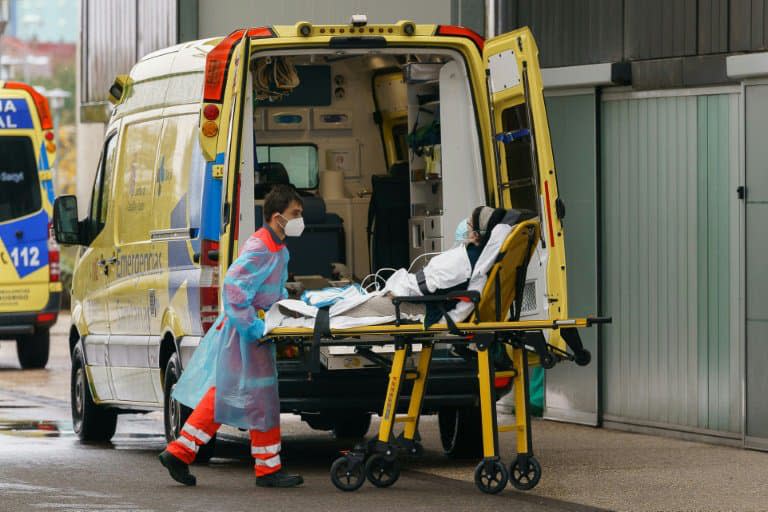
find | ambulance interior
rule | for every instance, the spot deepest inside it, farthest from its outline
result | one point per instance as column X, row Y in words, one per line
column 382, row 145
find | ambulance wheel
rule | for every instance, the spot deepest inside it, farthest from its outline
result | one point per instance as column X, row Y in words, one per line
column 491, row 476
column 176, row 414
column 347, row 475
column 382, row 471
column 90, row 421
column 524, row 473
column 351, row 424
column 461, row 432
column 33, row 349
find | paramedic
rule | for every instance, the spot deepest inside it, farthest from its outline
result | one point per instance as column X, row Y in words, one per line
column 231, row 378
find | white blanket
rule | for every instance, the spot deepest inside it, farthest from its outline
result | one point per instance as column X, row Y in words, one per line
column 399, row 283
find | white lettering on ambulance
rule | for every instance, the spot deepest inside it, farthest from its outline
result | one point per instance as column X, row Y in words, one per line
column 9, row 106
column 7, row 122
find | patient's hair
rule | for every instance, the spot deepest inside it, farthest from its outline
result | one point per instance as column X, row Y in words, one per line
column 279, row 199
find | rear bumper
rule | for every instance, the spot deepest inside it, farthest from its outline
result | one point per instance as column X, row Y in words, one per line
column 452, row 383
column 26, row 323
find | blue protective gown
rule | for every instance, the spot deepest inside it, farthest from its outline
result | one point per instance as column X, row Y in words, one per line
column 231, row 355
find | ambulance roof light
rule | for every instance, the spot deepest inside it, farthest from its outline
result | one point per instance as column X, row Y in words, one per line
column 455, row 30
column 358, row 20
column 217, row 61
column 43, row 112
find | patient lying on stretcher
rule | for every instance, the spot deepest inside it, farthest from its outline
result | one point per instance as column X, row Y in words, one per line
column 465, row 267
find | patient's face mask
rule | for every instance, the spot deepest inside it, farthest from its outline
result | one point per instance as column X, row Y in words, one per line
column 462, row 231
column 293, row 227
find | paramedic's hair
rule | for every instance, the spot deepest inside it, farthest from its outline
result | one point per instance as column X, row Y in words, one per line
column 279, row 199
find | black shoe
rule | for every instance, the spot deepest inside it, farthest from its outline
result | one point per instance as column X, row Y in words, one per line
column 279, row 479
column 177, row 468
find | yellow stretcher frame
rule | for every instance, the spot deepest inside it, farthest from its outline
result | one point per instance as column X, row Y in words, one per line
column 501, row 299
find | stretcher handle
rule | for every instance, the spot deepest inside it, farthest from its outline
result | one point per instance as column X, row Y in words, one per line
column 599, row 320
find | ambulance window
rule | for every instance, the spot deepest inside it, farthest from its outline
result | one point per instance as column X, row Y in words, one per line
column 300, row 161
column 19, row 185
column 136, row 181
column 521, row 183
column 102, row 186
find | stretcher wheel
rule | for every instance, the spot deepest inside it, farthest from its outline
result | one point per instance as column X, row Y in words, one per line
column 548, row 361
column 524, row 473
column 582, row 357
column 382, row 471
column 346, row 474
column 491, row 476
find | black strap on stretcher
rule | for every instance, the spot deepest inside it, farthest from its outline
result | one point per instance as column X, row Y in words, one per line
column 322, row 330
column 441, row 302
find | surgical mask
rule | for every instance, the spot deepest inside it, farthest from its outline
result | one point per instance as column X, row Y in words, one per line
column 293, row 227
column 462, row 232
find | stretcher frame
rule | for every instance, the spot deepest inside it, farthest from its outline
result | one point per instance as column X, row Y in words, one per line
column 377, row 460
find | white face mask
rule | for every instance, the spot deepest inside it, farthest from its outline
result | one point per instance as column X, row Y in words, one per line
column 293, row 227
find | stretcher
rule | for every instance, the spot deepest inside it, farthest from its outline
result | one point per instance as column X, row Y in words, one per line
column 495, row 323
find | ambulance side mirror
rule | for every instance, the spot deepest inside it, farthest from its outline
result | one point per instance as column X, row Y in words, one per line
column 65, row 223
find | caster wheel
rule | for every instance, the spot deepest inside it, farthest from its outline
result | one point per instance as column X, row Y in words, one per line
column 491, row 476
column 524, row 474
column 582, row 358
column 382, row 472
column 346, row 474
column 548, row 361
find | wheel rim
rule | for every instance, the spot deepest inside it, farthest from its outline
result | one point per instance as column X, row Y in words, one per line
column 381, row 471
column 174, row 414
column 345, row 476
column 79, row 398
column 525, row 476
column 491, row 477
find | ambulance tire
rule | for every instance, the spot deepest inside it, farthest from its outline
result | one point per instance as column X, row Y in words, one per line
column 351, row 425
column 33, row 350
column 176, row 414
column 461, row 432
column 91, row 422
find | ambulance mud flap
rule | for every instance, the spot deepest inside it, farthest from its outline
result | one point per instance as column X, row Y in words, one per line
column 322, row 330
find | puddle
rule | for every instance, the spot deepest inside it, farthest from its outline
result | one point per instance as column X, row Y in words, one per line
column 35, row 428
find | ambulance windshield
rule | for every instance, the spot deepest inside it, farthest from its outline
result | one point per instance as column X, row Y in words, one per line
column 19, row 185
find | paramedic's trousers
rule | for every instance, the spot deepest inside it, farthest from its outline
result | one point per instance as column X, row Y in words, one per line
column 201, row 427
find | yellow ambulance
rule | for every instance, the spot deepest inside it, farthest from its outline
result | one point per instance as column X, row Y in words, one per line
column 30, row 289
column 393, row 133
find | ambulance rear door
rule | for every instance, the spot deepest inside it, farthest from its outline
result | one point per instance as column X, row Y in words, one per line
column 233, row 107
column 525, row 172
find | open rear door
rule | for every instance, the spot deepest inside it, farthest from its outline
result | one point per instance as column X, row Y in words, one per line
column 235, row 95
column 525, row 170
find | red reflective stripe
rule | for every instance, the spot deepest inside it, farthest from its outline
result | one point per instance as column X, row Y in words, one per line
column 549, row 215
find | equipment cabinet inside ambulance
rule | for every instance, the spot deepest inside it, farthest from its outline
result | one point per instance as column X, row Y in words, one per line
column 30, row 291
column 387, row 131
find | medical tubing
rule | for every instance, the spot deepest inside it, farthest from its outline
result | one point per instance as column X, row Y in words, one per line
column 422, row 256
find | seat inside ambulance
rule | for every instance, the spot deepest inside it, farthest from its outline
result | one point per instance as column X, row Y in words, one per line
column 357, row 132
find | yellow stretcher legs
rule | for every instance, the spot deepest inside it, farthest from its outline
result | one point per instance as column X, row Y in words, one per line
column 377, row 461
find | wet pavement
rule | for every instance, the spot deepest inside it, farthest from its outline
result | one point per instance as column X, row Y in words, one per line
column 43, row 466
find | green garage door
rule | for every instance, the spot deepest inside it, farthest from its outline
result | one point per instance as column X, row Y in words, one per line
column 669, row 243
column 571, row 391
